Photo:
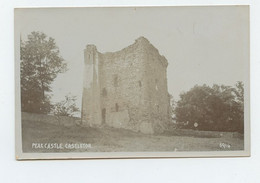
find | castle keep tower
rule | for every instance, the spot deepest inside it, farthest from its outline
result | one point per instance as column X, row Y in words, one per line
column 91, row 88
column 126, row 89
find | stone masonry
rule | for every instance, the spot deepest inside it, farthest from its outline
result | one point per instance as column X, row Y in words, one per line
column 126, row 89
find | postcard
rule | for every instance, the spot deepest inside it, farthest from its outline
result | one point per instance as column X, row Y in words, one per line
column 132, row 82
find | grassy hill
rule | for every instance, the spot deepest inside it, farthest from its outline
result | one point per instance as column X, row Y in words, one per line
column 108, row 139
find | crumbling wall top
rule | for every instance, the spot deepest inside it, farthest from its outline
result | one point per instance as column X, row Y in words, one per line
column 142, row 39
column 91, row 47
column 139, row 42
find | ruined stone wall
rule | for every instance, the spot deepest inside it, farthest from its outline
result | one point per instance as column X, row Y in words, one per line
column 91, row 113
column 126, row 89
column 156, row 89
column 122, row 91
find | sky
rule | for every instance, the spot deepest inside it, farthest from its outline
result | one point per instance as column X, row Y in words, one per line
column 203, row 45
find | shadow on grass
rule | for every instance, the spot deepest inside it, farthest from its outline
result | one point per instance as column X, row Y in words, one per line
column 192, row 133
column 202, row 134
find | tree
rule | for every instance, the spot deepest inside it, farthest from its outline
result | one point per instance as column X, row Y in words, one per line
column 66, row 107
column 40, row 64
column 212, row 108
column 239, row 106
column 172, row 106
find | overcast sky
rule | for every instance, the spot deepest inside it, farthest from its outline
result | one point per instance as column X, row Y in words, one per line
column 202, row 44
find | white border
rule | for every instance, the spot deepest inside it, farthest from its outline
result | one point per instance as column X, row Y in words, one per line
column 239, row 170
column 95, row 155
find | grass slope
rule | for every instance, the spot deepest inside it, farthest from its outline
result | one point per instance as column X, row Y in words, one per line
column 120, row 140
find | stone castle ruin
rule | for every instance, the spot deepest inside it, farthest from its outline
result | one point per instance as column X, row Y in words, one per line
column 126, row 89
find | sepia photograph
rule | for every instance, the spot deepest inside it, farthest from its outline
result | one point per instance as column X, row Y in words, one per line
column 132, row 82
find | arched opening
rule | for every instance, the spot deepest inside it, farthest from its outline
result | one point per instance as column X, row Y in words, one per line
column 103, row 115
column 116, row 107
column 156, row 84
column 140, row 84
column 158, row 108
column 104, row 92
column 115, row 80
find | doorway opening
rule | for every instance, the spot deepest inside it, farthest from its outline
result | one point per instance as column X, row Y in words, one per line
column 103, row 115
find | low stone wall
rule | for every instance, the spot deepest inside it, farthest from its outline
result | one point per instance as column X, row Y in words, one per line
column 56, row 120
